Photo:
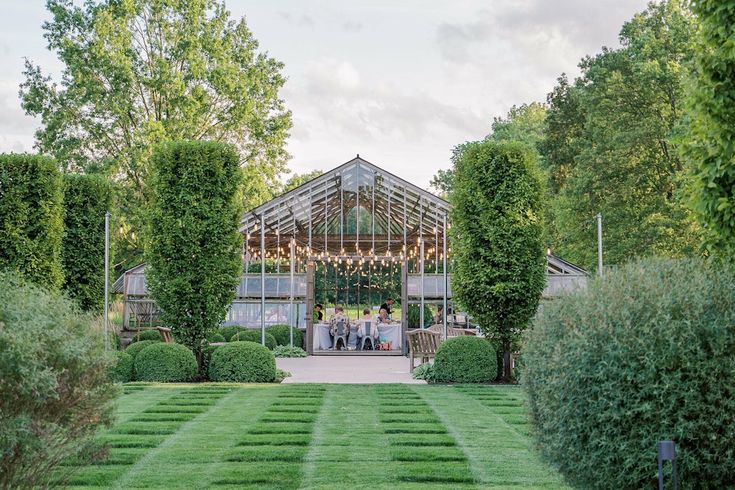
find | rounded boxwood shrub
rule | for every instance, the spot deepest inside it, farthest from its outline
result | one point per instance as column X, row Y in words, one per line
column 282, row 336
column 245, row 362
column 135, row 348
column 146, row 335
column 228, row 332
column 465, row 359
column 645, row 354
column 165, row 363
column 216, row 338
column 121, row 369
column 251, row 335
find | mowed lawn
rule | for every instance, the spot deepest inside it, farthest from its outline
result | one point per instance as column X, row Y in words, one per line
column 318, row 436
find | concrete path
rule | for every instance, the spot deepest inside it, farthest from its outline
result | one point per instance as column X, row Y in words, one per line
column 347, row 369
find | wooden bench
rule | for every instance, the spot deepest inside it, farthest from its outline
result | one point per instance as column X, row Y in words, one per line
column 165, row 334
column 423, row 344
column 451, row 332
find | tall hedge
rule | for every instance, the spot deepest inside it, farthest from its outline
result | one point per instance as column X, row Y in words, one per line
column 55, row 392
column 499, row 262
column 645, row 355
column 86, row 199
column 193, row 244
column 710, row 130
column 31, row 218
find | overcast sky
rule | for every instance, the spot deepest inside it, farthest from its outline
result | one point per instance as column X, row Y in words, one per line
column 398, row 81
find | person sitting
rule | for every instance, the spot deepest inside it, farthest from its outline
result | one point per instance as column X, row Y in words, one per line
column 318, row 313
column 387, row 306
column 339, row 317
column 439, row 315
column 382, row 318
column 362, row 332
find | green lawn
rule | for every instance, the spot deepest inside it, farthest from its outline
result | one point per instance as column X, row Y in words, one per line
column 318, row 436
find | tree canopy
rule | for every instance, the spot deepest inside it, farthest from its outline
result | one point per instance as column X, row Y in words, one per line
column 193, row 243
column 710, row 132
column 139, row 72
column 497, row 226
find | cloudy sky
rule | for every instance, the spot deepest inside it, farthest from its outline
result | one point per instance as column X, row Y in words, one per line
column 398, row 81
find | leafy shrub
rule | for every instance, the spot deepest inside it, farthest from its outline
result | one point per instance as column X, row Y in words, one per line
column 282, row 336
column 193, row 242
column 147, row 335
column 288, row 351
column 252, row 335
column 121, row 371
column 425, row 371
column 216, row 338
column 55, row 392
column 165, row 363
column 86, row 199
column 281, row 375
column 135, row 348
column 645, row 354
column 228, row 332
column 466, row 359
column 31, row 218
column 246, row 362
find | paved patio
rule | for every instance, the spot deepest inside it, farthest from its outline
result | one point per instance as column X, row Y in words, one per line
column 348, row 369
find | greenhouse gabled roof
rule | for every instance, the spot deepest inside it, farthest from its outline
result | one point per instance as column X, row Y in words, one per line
column 334, row 203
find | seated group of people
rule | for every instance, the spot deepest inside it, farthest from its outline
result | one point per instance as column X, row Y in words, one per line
column 355, row 335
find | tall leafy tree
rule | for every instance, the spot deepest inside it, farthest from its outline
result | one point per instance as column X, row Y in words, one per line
column 298, row 179
column 138, row 72
column 497, row 226
column 710, row 134
column 31, row 218
column 86, row 200
column 609, row 145
column 193, row 243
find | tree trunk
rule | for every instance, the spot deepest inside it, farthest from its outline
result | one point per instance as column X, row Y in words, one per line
column 506, row 361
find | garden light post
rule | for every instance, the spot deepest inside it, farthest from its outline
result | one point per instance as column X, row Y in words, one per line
column 599, row 243
column 666, row 452
column 107, row 275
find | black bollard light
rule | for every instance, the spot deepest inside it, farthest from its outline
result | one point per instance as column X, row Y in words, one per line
column 666, row 452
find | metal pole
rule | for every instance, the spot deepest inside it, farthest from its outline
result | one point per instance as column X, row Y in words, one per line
column 421, row 261
column 446, row 279
column 291, row 312
column 107, row 276
column 262, row 278
column 599, row 244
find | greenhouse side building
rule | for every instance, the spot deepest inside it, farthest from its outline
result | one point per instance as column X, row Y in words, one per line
column 354, row 236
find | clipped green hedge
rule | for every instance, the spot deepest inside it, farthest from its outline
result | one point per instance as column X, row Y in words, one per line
column 86, row 199
column 245, row 362
column 147, row 335
column 643, row 355
column 134, row 348
column 165, row 363
column 466, row 359
column 121, row 369
column 283, row 337
column 216, row 338
column 31, row 218
column 254, row 336
column 228, row 332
